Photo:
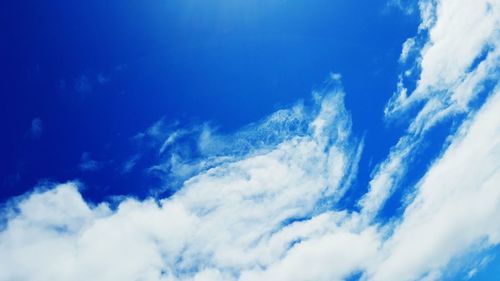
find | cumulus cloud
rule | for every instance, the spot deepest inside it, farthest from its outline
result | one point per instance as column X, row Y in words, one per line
column 234, row 220
column 261, row 218
column 262, row 203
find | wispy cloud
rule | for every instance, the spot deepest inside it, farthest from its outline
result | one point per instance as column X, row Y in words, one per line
column 102, row 78
column 451, row 74
column 248, row 222
column 83, row 85
column 89, row 164
column 452, row 70
column 406, row 6
column 455, row 207
column 260, row 218
column 36, row 128
column 261, row 203
column 130, row 164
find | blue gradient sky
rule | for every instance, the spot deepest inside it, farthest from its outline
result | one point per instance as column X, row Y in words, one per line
column 227, row 62
column 106, row 94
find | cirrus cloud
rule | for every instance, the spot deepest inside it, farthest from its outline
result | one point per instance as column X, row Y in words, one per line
column 262, row 203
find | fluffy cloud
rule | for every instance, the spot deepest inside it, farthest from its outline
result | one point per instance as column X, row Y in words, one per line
column 237, row 218
column 261, row 204
column 260, row 218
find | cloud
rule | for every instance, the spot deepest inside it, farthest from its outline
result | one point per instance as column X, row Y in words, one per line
column 456, row 205
column 102, row 79
column 130, row 164
column 452, row 70
column 452, row 75
column 265, row 202
column 261, row 218
column 406, row 6
column 478, row 266
column 88, row 164
column 36, row 129
column 261, row 203
column 263, row 221
column 83, row 85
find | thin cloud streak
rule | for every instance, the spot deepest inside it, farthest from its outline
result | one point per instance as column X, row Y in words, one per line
column 452, row 75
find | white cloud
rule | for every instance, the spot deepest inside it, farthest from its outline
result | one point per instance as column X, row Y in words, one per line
column 258, row 219
column 478, row 266
column 456, row 206
column 128, row 165
column 436, row 225
column 89, row 164
column 453, row 74
column 228, row 223
column 225, row 221
column 252, row 206
column 406, row 6
column 459, row 33
column 387, row 177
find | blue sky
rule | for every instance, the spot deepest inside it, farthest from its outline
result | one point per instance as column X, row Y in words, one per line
column 96, row 75
column 250, row 140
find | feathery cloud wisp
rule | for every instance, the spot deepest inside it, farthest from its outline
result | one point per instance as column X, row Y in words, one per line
column 261, row 204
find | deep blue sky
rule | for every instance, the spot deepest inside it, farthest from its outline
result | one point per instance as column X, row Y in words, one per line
column 98, row 72
column 79, row 79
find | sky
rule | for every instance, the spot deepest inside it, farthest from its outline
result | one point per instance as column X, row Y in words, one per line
column 250, row 140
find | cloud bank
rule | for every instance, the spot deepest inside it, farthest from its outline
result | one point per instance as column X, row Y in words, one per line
column 263, row 203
